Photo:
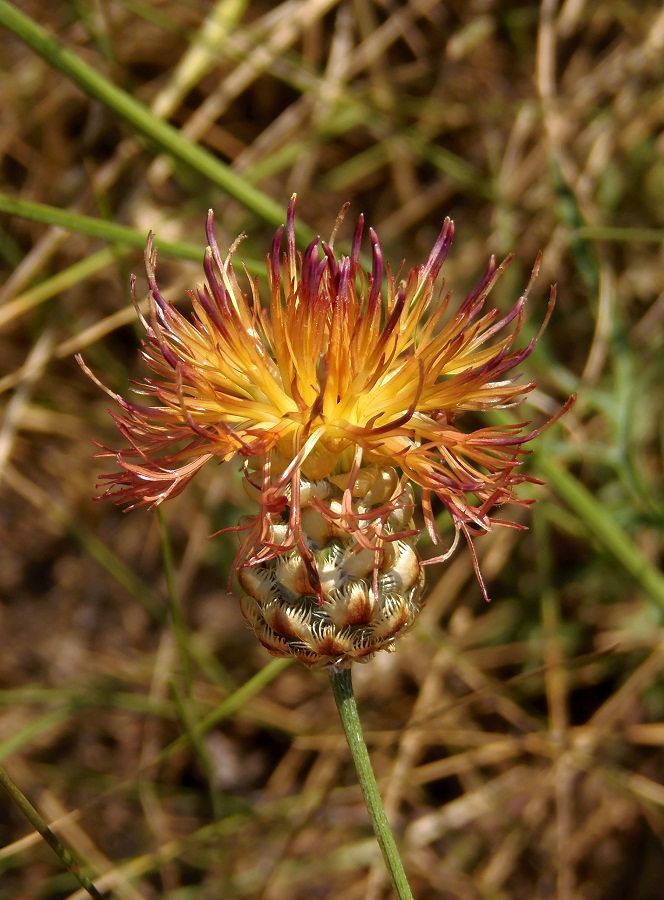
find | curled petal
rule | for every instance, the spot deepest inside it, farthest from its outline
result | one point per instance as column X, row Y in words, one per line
column 336, row 373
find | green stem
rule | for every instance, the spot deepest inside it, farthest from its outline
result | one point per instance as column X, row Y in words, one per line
column 65, row 855
column 342, row 686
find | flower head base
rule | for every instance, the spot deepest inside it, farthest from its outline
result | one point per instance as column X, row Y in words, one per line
column 341, row 394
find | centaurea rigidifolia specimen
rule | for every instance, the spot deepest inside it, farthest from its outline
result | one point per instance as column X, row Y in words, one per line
column 343, row 391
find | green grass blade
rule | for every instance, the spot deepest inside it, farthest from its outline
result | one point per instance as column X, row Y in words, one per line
column 63, row 853
column 112, row 232
column 618, row 233
column 35, row 729
column 57, row 283
column 232, row 704
column 602, row 527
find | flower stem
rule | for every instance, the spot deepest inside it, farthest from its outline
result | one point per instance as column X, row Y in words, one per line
column 342, row 686
column 64, row 854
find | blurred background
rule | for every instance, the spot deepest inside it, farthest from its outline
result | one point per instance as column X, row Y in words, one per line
column 518, row 745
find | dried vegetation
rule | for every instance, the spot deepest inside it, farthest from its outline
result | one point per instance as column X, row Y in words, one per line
column 518, row 744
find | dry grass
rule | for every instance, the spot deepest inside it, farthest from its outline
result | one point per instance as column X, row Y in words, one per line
column 518, row 745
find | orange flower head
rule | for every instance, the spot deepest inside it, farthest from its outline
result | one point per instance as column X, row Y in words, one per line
column 344, row 392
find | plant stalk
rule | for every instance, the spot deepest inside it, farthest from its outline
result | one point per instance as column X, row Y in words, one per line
column 342, row 686
column 65, row 855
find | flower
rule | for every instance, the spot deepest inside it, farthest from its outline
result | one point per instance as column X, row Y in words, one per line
column 345, row 396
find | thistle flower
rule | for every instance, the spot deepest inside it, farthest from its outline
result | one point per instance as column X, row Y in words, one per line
column 344, row 397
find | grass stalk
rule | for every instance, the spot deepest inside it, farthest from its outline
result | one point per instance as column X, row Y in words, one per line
column 63, row 853
column 112, row 232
